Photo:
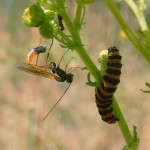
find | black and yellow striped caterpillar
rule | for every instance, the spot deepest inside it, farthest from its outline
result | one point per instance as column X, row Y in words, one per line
column 108, row 86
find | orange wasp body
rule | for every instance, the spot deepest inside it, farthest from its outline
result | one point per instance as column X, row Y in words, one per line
column 49, row 71
column 35, row 51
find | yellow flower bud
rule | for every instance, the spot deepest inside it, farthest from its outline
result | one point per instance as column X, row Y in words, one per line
column 49, row 29
column 33, row 16
column 123, row 34
column 103, row 56
column 49, row 15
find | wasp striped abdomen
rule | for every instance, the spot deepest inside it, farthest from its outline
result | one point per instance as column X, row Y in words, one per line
column 108, row 86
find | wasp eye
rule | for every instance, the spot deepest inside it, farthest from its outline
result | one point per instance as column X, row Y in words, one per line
column 53, row 65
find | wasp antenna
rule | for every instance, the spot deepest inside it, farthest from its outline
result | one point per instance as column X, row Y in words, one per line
column 74, row 68
column 62, row 57
column 56, row 103
column 68, row 64
column 49, row 50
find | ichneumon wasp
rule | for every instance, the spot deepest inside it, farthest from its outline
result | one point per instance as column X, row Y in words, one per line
column 51, row 71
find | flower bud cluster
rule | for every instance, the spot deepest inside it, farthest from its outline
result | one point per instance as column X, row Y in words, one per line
column 37, row 16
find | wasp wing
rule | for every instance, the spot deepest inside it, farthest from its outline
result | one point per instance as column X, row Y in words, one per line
column 29, row 69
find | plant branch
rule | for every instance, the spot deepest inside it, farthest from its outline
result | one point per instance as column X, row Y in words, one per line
column 122, row 122
column 139, row 14
column 110, row 4
column 78, row 46
column 77, row 21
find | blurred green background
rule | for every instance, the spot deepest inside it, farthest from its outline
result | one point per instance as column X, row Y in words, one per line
column 75, row 123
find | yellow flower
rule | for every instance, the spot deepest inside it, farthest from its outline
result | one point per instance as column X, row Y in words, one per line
column 123, row 35
column 33, row 16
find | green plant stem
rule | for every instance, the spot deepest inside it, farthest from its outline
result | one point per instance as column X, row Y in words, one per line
column 89, row 63
column 122, row 123
column 84, row 56
column 79, row 46
column 77, row 20
column 110, row 4
column 93, row 69
column 65, row 37
column 139, row 15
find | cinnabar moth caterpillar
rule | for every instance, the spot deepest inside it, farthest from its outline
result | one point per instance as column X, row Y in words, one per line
column 108, row 86
column 60, row 20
